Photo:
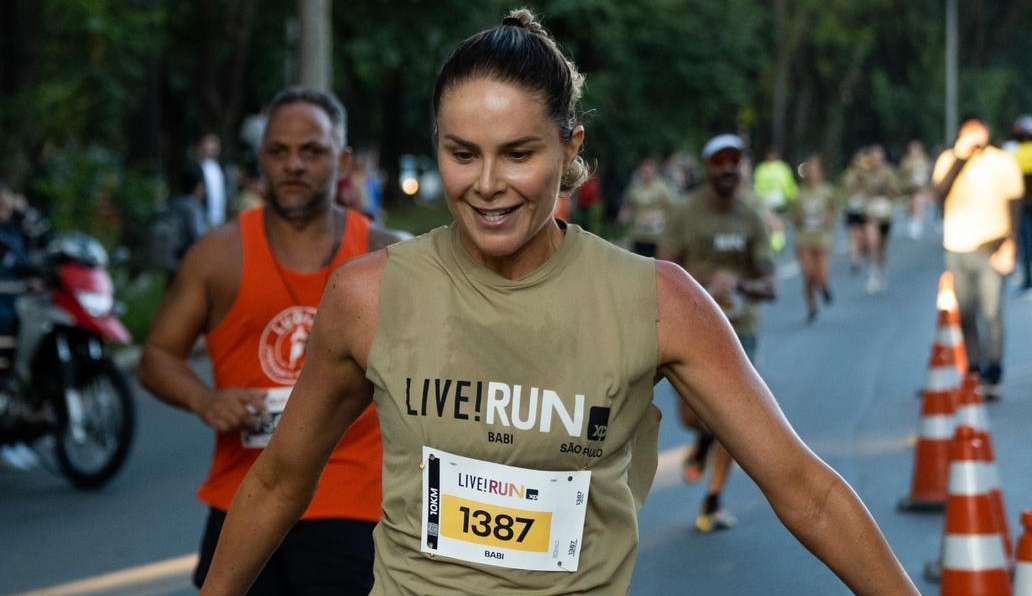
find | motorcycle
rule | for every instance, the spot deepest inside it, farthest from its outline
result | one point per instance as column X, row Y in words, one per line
column 63, row 384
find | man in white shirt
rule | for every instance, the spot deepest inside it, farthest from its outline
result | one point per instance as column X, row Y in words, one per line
column 208, row 150
column 980, row 186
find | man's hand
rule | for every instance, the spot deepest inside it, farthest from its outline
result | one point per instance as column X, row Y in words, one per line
column 722, row 284
column 970, row 139
column 231, row 409
column 1003, row 260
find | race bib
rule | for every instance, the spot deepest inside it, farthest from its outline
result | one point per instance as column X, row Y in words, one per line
column 275, row 402
column 880, row 208
column 500, row 515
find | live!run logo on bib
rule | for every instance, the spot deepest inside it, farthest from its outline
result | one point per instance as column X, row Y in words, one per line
column 281, row 349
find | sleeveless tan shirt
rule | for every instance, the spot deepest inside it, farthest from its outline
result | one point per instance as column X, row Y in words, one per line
column 580, row 329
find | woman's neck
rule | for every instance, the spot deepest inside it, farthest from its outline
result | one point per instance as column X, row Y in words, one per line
column 533, row 254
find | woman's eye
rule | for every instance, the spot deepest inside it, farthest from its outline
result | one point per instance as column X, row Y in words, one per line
column 462, row 155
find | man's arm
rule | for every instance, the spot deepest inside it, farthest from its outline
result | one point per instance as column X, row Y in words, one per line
column 330, row 394
column 164, row 366
column 715, row 379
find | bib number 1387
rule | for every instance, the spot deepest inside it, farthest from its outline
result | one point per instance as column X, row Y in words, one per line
column 502, row 515
column 506, row 527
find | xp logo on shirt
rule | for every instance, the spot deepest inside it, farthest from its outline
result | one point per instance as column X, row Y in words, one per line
column 598, row 423
column 281, row 349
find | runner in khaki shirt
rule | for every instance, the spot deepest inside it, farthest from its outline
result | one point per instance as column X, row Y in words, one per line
column 512, row 359
column 722, row 242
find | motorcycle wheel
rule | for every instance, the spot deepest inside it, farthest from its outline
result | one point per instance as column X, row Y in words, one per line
column 91, row 455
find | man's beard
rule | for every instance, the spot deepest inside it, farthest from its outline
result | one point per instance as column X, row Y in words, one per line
column 726, row 185
column 300, row 215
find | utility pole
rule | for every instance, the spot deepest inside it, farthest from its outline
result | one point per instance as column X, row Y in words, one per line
column 316, row 43
column 951, row 71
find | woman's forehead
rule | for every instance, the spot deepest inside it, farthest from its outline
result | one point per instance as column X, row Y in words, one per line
column 488, row 108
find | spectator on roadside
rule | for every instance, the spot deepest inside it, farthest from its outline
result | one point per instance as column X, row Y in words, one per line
column 981, row 187
column 252, row 189
column 208, row 150
column 179, row 224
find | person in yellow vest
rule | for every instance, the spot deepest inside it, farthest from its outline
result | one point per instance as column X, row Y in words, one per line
column 776, row 189
column 1023, row 154
column 512, row 360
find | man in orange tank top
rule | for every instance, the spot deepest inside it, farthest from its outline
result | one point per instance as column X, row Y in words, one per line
column 252, row 288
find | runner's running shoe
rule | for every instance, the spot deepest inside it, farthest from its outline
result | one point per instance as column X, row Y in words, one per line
column 714, row 522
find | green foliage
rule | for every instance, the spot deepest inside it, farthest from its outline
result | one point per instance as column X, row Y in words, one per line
column 89, row 189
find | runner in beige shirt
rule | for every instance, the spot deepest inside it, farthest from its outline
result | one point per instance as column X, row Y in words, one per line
column 512, row 360
column 721, row 240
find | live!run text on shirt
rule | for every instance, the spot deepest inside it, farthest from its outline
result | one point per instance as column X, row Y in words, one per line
column 501, row 405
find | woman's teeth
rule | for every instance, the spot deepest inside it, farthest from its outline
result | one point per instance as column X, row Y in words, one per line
column 495, row 215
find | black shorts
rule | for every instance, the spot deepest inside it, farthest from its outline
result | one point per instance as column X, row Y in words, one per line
column 884, row 227
column 322, row 556
column 855, row 219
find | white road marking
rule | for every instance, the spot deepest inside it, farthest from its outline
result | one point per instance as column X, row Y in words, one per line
column 121, row 581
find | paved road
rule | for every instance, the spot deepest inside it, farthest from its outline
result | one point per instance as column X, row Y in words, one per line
column 846, row 383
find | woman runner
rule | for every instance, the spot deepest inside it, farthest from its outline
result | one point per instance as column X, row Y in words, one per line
column 814, row 217
column 512, row 361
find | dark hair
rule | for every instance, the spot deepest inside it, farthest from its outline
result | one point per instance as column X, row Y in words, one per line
column 323, row 100
column 522, row 52
column 191, row 178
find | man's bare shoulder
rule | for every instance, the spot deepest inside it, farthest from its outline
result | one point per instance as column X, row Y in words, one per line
column 217, row 253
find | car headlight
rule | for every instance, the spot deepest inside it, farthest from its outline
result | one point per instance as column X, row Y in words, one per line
column 97, row 304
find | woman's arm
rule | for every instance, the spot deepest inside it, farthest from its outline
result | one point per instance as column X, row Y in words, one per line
column 711, row 372
column 330, row 394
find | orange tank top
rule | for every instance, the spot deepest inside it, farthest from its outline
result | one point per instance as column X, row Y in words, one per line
column 260, row 344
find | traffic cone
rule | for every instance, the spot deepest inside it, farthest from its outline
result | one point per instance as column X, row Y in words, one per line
column 932, row 454
column 1023, row 569
column 948, row 333
column 973, row 559
column 996, row 494
column 971, row 414
column 970, row 405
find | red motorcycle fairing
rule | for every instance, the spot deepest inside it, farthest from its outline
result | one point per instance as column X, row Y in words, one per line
column 77, row 278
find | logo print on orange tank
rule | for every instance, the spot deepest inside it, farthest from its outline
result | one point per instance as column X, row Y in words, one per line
column 281, row 349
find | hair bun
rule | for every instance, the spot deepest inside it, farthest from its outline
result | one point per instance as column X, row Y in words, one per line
column 522, row 18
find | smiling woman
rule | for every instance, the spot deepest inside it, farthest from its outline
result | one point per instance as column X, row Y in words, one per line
column 512, row 358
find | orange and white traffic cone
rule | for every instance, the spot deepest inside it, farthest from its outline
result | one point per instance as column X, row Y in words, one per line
column 932, row 454
column 948, row 333
column 1023, row 569
column 996, row 495
column 971, row 414
column 970, row 405
column 973, row 558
